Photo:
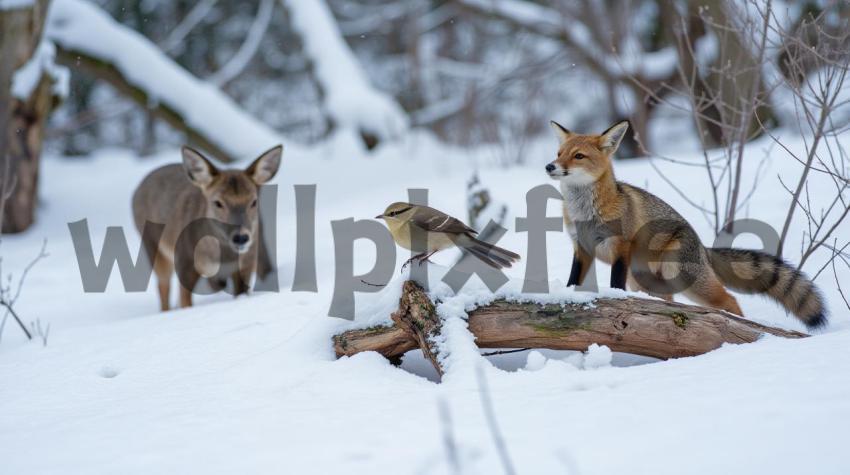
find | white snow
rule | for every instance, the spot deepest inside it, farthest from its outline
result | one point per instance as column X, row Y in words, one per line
column 78, row 25
column 350, row 99
column 535, row 361
column 597, row 357
column 252, row 386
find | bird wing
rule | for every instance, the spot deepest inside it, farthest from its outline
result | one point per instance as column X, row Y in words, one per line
column 434, row 220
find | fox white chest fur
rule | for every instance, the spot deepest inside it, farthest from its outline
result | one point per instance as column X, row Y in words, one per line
column 584, row 223
column 578, row 203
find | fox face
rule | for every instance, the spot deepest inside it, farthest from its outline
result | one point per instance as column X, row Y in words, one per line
column 231, row 195
column 582, row 159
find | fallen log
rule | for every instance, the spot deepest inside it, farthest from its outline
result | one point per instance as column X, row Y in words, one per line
column 634, row 325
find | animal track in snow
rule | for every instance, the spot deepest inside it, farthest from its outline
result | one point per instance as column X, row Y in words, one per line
column 107, row 372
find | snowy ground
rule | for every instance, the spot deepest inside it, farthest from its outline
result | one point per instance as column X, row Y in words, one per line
column 252, row 385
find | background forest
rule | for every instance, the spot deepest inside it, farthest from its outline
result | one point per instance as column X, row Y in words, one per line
column 471, row 71
column 740, row 121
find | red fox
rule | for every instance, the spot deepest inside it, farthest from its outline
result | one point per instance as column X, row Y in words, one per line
column 651, row 247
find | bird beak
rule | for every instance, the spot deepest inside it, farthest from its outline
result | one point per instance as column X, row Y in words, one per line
column 380, row 216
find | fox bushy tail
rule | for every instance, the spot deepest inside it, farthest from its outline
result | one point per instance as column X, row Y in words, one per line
column 754, row 272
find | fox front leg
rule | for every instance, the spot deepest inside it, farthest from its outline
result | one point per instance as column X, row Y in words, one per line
column 619, row 273
column 581, row 264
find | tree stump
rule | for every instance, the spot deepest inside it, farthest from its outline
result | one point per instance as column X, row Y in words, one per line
column 633, row 325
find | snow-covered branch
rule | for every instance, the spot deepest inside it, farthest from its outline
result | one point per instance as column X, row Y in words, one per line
column 350, row 100
column 42, row 62
column 15, row 4
column 88, row 38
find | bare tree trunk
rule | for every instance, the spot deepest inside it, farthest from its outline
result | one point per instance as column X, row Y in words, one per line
column 22, row 120
column 741, row 90
column 646, row 327
column 634, row 142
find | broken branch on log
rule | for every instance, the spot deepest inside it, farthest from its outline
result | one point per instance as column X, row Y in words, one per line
column 646, row 327
column 418, row 318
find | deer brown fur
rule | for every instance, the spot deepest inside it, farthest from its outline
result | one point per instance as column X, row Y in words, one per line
column 211, row 222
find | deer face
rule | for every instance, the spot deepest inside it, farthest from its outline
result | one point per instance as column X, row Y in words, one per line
column 232, row 195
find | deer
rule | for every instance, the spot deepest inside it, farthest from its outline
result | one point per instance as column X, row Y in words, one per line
column 210, row 218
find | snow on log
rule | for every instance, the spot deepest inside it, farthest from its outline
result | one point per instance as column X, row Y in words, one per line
column 88, row 38
column 639, row 326
column 349, row 98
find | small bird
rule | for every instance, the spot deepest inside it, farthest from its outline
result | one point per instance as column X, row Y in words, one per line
column 442, row 232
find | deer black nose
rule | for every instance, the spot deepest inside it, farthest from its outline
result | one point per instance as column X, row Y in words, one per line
column 550, row 168
column 241, row 239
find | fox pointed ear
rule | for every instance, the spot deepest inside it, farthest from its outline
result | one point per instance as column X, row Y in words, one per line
column 611, row 138
column 265, row 167
column 560, row 131
column 200, row 170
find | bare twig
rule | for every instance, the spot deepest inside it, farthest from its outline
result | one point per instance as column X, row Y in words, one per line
column 837, row 280
column 816, row 64
column 490, row 414
column 8, row 297
column 504, row 352
column 14, row 314
column 448, row 437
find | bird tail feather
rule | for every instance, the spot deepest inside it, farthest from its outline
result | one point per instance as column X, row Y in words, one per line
column 490, row 254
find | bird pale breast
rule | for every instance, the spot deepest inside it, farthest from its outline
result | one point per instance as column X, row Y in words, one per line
column 401, row 233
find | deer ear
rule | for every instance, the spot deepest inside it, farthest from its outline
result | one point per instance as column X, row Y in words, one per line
column 200, row 170
column 265, row 167
column 611, row 138
column 560, row 131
